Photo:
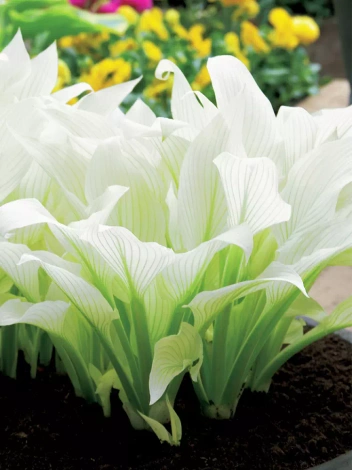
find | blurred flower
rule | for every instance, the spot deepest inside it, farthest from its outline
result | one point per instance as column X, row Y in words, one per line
column 232, row 42
column 129, row 14
column 180, row 31
column 283, row 34
column 250, row 36
column 152, row 21
column 84, row 43
column 110, row 6
column 202, row 79
column 231, row 3
column 152, row 51
column 172, row 16
column 108, row 72
column 64, row 76
column 139, row 5
column 306, row 29
column 201, row 45
column 250, row 8
column 122, row 46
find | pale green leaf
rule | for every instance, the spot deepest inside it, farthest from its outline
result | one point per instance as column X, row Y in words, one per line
column 172, row 356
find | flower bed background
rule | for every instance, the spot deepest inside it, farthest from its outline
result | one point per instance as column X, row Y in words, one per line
column 111, row 49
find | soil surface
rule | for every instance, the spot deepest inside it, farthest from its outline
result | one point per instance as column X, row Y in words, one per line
column 304, row 420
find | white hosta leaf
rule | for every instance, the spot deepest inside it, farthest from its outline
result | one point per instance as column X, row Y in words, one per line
column 340, row 318
column 62, row 159
column 141, row 113
column 136, row 263
column 174, row 231
column 29, row 213
column 43, row 75
column 107, row 100
column 313, row 187
column 48, row 315
column 173, row 355
column 66, row 94
column 86, row 298
column 313, row 249
column 14, row 162
column 141, row 210
column 24, row 277
column 230, row 79
column 299, row 130
column 14, row 66
column 173, row 150
column 184, row 103
column 22, row 213
column 333, row 124
column 80, row 123
column 207, row 305
column 179, row 281
column 35, row 184
column 202, row 205
column 251, row 190
column 181, row 277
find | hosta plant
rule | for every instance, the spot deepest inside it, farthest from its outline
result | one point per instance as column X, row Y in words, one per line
column 145, row 248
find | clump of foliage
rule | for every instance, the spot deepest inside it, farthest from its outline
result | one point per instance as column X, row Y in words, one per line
column 142, row 248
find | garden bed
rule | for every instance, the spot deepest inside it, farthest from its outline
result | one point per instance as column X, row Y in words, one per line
column 304, row 421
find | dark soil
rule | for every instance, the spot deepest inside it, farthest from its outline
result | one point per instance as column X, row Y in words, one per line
column 305, row 419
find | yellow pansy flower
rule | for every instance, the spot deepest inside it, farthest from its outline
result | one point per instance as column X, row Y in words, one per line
column 250, row 36
column 129, row 14
column 63, row 77
column 283, row 34
column 152, row 20
column 65, row 42
column 201, row 45
column 84, row 43
column 152, row 51
column 122, row 46
column 232, row 42
column 172, row 16
column 305, row 29
column 180, row 31
column 250, row 8
column 106, row 73
column 202, row 79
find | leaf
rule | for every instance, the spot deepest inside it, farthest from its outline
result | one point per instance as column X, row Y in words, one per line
column 184, row 103
column 66, row 94
column 57, row 21
column 105, row 101
column 180, row 278
column 135, row 262
column 43, row 75
column 48, row 315
column 295, row 122
column 208, row 304
column 233, row 83
column 141, row 210
column 24, row 277
column 86, row 298
column 313, row 186
column 251, row 191
column 201, row 200
column 173, row 355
